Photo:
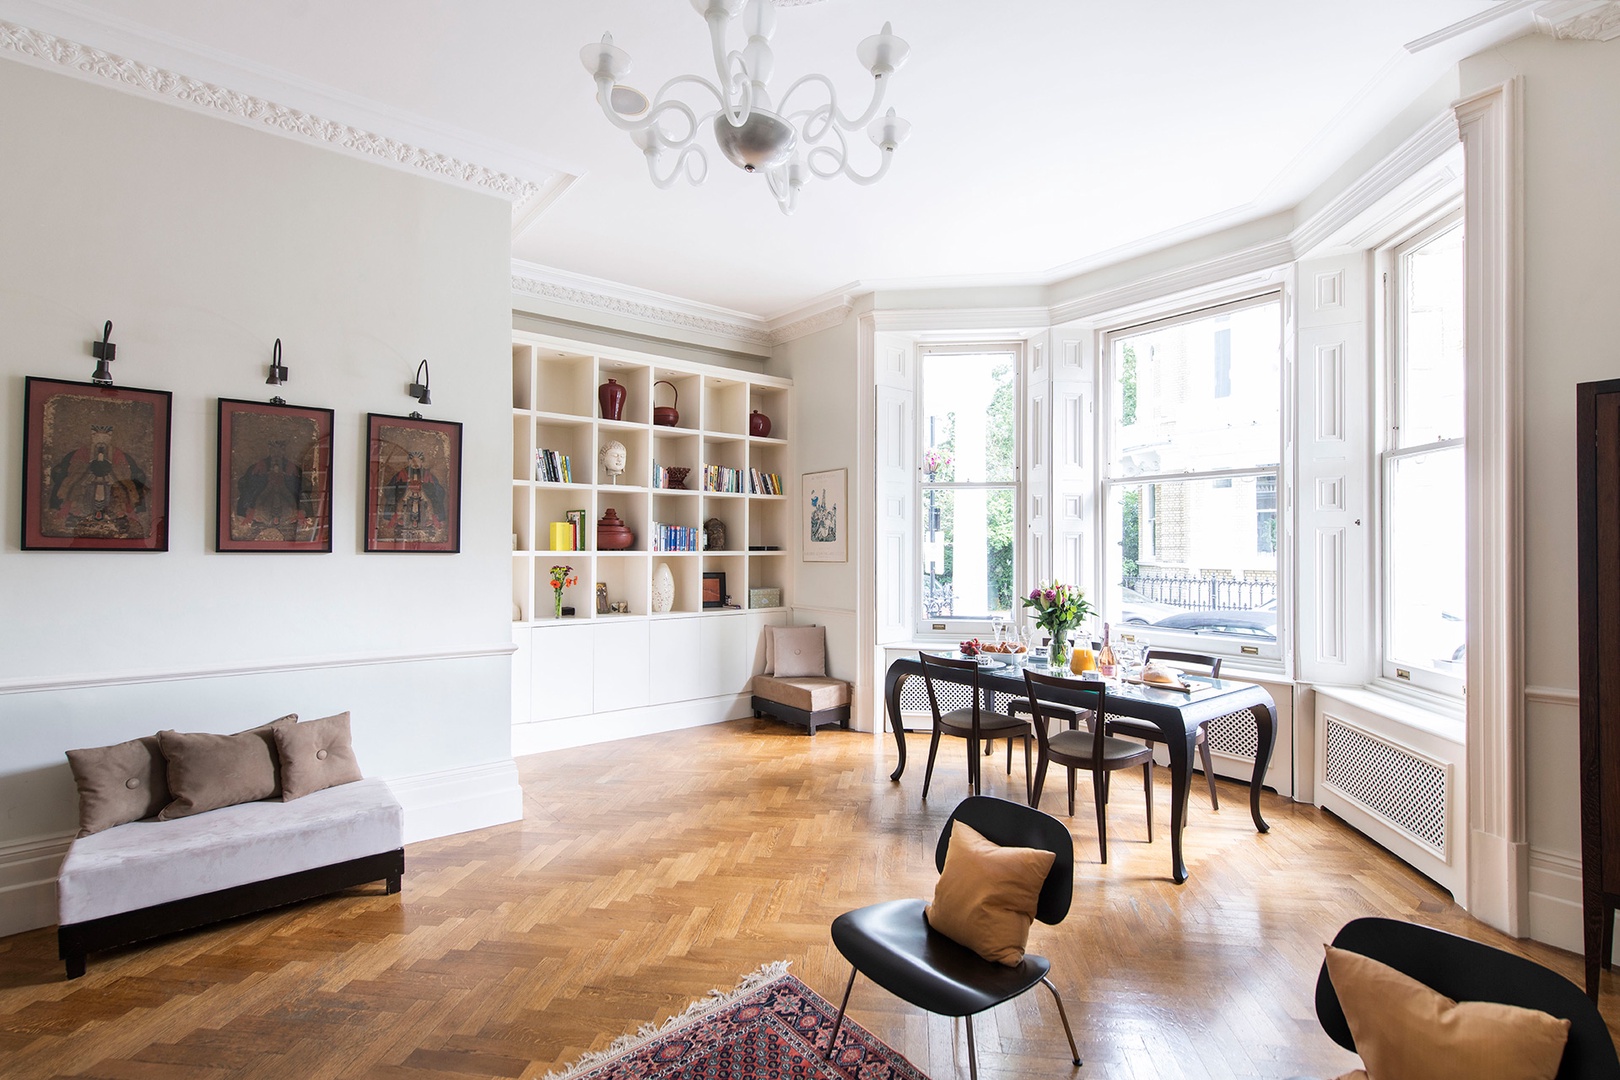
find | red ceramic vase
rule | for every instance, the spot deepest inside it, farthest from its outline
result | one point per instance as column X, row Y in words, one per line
column 759, row 425
column 610, row 395
column 612, row 534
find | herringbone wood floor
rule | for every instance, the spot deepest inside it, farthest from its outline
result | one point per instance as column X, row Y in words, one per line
column 647, row 871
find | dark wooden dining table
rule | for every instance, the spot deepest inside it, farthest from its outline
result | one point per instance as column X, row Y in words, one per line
column 1177, row 715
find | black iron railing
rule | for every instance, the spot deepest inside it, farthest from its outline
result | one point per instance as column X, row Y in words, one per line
column 1198, row 592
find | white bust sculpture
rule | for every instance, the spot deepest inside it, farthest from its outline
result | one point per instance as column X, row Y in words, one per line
column 612, row 456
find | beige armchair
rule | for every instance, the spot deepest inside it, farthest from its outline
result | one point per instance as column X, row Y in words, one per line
column 794, row 685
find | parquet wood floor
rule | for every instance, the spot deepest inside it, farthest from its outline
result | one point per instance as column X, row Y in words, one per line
column 647, row 871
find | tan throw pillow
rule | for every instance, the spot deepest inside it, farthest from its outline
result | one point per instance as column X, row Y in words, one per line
column 1406, row 1031
column 315, row 755
column 987, row 894
column 209, row 771
column 800, row 650
column 120, row 783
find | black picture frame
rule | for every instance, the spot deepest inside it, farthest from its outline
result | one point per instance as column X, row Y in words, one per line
column 273, row 478
column 714, row 589
column 95, row 467
column 413, row 484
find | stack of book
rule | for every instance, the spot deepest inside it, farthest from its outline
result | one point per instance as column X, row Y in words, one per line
column 720, row 478
column 553, row 467
column 674, row 537
column 764, row 483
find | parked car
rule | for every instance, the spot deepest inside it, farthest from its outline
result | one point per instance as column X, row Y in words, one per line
column 1258, row 624
column 1137, row 610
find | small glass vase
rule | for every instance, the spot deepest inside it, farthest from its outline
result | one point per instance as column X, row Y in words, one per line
column 1057, row 653
column 556, row 595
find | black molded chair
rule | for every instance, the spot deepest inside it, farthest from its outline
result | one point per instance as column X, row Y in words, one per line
column 1141, row 729
column 977, row 724
column 892, row 944
column 1102, row 754
column 1466, row 970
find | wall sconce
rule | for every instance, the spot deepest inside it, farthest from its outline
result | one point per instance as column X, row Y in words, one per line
column 105, row 353
column 278, row 370
column 419, row 388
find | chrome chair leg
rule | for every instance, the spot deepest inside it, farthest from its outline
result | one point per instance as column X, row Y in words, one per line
column 1065, row 1018
column 973, row 1058
column 839, row 1023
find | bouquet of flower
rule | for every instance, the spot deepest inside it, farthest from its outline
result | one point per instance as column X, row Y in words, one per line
column 1058, row 609
column 561, row 578
column 935, row 459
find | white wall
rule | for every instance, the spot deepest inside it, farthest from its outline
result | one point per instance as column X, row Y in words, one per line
column 1571, row 232
column 203, row 242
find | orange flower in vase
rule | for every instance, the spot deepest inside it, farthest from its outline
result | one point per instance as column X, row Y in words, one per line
column 562, row 577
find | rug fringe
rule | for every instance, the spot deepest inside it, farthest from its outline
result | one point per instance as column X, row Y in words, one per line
column 714, row 1000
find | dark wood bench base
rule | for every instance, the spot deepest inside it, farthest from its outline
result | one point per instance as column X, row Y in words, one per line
column 77, row 940
column 811, row 720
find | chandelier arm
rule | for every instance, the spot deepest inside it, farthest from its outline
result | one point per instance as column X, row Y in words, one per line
column 691, row 160
column 841, row 166
column 879, row 91
column 787, row 194
column 656, row 113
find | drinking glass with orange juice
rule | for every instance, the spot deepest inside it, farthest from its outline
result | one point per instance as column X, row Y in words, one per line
column 1082, row 658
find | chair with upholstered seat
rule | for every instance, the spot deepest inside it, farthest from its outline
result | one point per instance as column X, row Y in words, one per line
column 1094, row 750
column 1133, row 728
column 1468, row 971
column 977, row 723
column 893, row 944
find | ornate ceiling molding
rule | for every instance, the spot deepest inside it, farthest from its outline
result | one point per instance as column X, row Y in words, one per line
column 1580, row 20
column 47, row 50
column 622, row 302
column 825, row 319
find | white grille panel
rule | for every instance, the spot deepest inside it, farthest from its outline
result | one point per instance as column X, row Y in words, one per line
column 1235, row 735
column 1407, row 791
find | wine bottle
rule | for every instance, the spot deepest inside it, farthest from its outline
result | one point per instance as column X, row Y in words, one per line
column 1105, row 657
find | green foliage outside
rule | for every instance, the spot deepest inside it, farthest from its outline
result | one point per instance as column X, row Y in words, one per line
column 1001, row 511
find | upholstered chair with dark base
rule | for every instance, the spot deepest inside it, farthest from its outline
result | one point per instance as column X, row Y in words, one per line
column 977, row 723
column 893, row 944
column 1141, row 729
column 1467, row 971
column 1093, row 750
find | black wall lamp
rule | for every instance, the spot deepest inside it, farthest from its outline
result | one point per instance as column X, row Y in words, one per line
column 278, row 373
column 105, row 352
column 419, row 388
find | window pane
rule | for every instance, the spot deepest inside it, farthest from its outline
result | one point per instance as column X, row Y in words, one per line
column 967, row 424
column 1426, row 579
column 1199, row 395
column 967, row 552
column 1199, row 556
column 1431, row 376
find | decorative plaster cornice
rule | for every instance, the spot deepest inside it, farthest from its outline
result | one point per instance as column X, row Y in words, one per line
column 1581, row 20
column 624, row 302
column 49, row 50
column 825, row 319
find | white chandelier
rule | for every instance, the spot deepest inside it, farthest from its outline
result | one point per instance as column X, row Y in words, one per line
column 787, row 144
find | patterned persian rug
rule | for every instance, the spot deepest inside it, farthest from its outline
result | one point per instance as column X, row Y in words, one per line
column 771, row 1026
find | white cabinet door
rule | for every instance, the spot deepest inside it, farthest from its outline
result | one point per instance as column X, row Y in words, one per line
column 724, row 655
column 677, row 667
column 560, row 663
column 622, row 665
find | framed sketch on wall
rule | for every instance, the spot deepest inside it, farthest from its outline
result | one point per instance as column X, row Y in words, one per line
column 274, row 480
column 413, row 484
column 95, row 467
column 826, row 516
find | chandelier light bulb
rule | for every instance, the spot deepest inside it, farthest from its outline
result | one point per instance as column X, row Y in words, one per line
column 788, row 139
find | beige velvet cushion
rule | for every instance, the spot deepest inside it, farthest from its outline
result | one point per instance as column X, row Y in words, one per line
column 811, row 693
column 1406, row 1031
column 800, row 650
column 316, row 755
column 119, row 783
column 987, row 894
column 209, row 771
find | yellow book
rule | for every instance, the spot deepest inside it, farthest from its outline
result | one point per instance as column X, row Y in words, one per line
column 562, row 536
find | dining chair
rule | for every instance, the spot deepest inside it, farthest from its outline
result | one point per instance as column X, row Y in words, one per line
column 978, row 723
column 1095, row 750
column 892, row 943
column 1141, row 729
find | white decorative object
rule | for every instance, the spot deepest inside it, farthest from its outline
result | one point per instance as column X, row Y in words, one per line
column 787, row 144
column 613, row 457
column 663, row 589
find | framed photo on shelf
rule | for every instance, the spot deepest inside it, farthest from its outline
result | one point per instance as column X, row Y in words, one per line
column 714, row 589
column 95, row 467
column 413, row 484
column 274, row 478
column 826, row 516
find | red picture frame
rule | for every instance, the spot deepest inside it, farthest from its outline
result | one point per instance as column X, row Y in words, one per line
column 95, row 467
column 413, row 484
column 273, row 481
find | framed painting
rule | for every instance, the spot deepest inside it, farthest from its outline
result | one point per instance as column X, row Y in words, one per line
column 714, row 589
column 413, row 484
column 274, row 481
column 826, row 516
column 95, row 467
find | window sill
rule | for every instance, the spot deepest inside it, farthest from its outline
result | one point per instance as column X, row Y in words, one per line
column 1441, row 717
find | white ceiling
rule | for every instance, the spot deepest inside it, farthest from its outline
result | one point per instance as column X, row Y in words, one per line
column 1048, row 135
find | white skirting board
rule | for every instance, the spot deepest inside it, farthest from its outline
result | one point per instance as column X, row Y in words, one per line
column 436, row 804
column 539, row 736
